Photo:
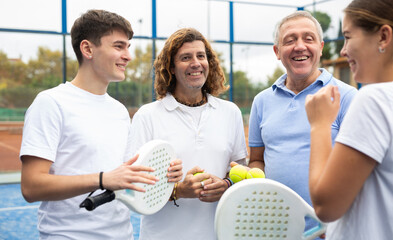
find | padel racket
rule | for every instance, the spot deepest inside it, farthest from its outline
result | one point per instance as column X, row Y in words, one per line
column 264, row 209
column 157, row 154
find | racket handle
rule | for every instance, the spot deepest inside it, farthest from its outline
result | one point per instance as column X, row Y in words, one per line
column 90, row 203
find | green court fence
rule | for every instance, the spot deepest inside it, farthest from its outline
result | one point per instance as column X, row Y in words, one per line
column 12, row 114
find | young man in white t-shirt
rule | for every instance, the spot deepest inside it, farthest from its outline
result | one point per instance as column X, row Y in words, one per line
column 76, row 139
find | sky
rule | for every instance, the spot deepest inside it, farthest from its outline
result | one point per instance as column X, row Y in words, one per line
column 254, row 21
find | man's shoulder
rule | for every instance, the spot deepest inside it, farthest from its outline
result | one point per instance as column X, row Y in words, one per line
column 150, row 108
column 331, row 80
column 54, row 89
column 347, row 92
column 342, row 86
column 267, row 100
column 220, row 100
column 265, row 93
column 51, row 93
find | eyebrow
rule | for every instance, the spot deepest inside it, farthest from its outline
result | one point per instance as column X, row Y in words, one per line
column 302, row 34
column 189, row 53
column 311, row 34
column 122, row 43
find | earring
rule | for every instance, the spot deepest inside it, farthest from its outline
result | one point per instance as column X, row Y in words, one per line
column 381, row 50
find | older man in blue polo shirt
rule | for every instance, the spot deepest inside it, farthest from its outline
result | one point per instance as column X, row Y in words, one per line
column 279, row 132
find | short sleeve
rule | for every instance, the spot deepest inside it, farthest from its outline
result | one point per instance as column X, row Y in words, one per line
column 366, row 126
column 254, row 131
column 240, row 148
column 42, row 128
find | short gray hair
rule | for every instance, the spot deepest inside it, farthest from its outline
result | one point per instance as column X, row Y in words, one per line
column 297, row 14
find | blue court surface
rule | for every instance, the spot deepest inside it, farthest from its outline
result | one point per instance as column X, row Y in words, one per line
column 18, row 218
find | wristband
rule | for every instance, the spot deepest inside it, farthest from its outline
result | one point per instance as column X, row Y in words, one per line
column 228, row 184
column 101, row 186
column 228, row 181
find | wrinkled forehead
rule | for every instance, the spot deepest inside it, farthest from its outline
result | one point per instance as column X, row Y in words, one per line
column 298, row 26
column 194, row 46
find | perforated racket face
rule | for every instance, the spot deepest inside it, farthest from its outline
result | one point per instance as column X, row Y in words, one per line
column 258, row 211
column 157, row 154
column 263, row 215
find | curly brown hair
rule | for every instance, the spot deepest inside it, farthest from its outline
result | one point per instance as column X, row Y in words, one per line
column 165, row 81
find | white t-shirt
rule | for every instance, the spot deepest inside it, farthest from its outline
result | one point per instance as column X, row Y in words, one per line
column 368, row 128
column 81, row 133
column 212, row 144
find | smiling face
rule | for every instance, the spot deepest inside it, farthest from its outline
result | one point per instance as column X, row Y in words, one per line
column 191, row 68
column 361, row 49
column 299, row 49
column 111, row 57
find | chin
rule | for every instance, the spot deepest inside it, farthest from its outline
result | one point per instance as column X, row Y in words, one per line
column 360, row 79
column 305, row 71
column 118, row 79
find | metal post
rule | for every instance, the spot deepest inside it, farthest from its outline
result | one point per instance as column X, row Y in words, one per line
column 313, row 7
column 208, row 20
column 154, row 36
column 64, row 34
column 140, row 82
column 231, row 40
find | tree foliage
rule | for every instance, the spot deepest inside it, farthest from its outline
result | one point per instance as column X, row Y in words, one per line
column 20, row 82
column 325, row 20
column 338, row 45
column 278, row 72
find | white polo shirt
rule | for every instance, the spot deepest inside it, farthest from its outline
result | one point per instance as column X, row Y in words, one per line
column 212, row 144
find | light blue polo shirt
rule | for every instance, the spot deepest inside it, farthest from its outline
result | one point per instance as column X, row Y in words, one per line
column 278, row 122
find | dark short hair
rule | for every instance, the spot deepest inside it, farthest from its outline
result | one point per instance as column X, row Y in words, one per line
column 165, row 81
column 93, row 25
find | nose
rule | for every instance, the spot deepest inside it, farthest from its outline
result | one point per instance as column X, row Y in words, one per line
column 195, row 62
column 127, row 55
column 343, row 51
column 300, row 46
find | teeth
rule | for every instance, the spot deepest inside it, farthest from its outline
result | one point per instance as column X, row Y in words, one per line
column 195, row 74
column 300, row 58
column 121, row 66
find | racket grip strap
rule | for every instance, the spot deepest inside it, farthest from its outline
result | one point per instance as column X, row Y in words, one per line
column 91, row 202
column 173, row 196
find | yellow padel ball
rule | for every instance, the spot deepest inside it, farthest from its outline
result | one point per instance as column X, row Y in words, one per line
column 255, row 173
column 237, row 173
